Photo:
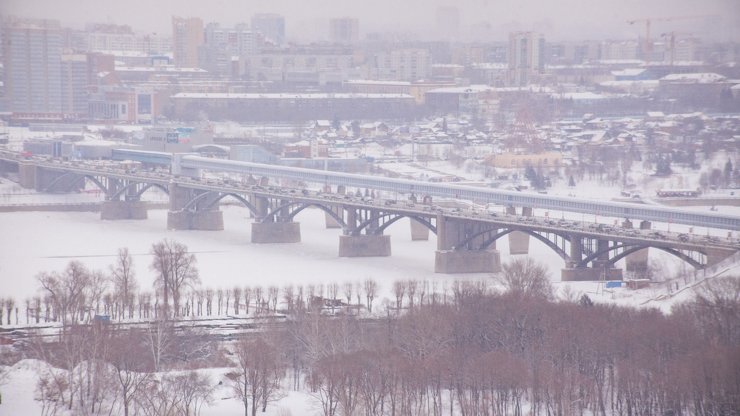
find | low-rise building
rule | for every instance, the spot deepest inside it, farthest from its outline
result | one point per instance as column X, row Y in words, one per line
column 519, row 161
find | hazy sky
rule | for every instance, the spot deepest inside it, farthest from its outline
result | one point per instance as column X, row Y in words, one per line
column 557, row 19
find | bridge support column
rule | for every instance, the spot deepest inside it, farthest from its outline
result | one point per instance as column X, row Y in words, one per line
column 519, row 241
column 419, row 232
column 330, row 221
column 179, row 218
column 364, row 245
column 27, row 175
column 573, row 273
column 450, row 259
column 715, row 256
column 276, row 232
column 637, row 262
column 354, row 244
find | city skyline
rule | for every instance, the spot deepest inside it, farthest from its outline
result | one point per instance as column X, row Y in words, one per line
column 479, row 19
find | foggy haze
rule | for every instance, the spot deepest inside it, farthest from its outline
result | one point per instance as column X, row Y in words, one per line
column 479, row 19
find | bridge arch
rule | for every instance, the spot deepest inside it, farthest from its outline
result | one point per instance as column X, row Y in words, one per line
column 138, row 194
column 304, row 205
column 192, row 204
column 628, row 249
column 393, row 217
column 80, row 178
column 492, row 239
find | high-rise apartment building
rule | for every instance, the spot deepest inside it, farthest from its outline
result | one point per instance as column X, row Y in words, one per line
column 271, row 26
column 526, row 57
column 187, row 37
column 32, row 53
column 102, row 37
column 412, row 64
column 223, row 47
column 74, row 83
column 344, row 30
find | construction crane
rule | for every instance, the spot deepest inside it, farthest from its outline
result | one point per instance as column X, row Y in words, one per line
column 647, row 45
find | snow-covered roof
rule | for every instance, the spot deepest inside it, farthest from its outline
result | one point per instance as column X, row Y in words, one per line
column 628, row 72
column 462, row 90
column 698, row 77
column 278, row 96
column 585, row 95
column 158, row 69
column 375, row 82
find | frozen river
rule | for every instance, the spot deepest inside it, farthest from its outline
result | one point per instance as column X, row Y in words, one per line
column 34, row 242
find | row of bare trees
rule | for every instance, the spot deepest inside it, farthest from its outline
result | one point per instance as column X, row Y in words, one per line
column 517, row 353
column 102, row 369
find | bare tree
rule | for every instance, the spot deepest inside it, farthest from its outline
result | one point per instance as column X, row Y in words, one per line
column 273, row 293
column 124, row 279
column 237, row 291
column 175, row 395
column 209, row 301
column 228, row 295
column 176, row 270
column 259, row 371
column 247, row 299
column 9, row 305
column 194, row 389
column 131, row 368
column 526, row 277
column 333, row 294
column 159, row 340
column 220, row 299
column 289, row 297
column 66, row 291
column 347, row 290
column 399, row 290
column 370, row 287
column 411, row 288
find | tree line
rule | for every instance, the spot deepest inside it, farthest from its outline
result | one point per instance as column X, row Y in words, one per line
column 468, row 349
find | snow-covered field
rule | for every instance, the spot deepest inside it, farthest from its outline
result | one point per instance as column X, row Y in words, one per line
column 18, row 392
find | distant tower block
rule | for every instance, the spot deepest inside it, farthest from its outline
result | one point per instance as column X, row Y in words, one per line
column 419, row 232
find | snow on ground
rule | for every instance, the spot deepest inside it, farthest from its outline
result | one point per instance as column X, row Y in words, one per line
column 18, row 393
column 18, row 389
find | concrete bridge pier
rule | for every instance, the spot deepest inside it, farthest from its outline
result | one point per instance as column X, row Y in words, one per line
column 450, row 259
column 419, row 232
column 519, row 241
column 637, row 262
column 131, row 208
column 27, row 175
column 354, row 244
column 574, row 271
column 276, row 228
column 204, row 215
column 330, row 221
